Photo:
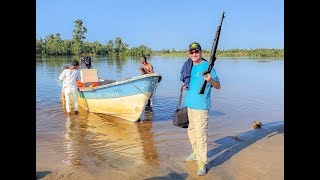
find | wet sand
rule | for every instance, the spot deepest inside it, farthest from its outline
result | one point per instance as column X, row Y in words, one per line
column 255, row 154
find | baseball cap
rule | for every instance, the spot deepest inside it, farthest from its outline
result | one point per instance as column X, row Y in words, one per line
column 194, row 45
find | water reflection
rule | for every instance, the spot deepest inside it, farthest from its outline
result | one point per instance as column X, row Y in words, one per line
column 73, row 141
column 99, row 140
column 147, row 114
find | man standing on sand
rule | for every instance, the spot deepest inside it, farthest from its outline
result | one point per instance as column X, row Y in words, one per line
column 198, row 104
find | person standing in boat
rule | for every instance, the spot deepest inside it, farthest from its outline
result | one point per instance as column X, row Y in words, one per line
column 86, row 62
column 70, row 77
column 146, row 67
column 198, row 104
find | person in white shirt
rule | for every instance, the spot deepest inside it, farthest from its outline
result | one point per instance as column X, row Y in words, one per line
column 63, row 99
column 69, row 78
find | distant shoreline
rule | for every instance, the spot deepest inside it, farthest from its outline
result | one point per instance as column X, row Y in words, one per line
column 179, row 55
column 208, row 54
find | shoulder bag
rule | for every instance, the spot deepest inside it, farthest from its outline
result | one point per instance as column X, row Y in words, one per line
column 180, row 115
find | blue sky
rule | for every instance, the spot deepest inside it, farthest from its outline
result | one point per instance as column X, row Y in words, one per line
column 167, row 24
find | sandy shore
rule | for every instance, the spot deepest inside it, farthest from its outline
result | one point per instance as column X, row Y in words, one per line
column 261, row 160
column 255, row 155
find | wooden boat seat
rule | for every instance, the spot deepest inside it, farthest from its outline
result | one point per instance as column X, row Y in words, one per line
column 89, row 75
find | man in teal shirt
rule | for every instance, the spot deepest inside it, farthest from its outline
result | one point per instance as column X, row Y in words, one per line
column 198, row 106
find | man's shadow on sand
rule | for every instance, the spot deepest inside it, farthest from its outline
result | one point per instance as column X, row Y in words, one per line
column 41, row 174
column 231, row 145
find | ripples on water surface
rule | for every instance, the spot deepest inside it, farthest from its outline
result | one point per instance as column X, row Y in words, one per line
column 251, row 90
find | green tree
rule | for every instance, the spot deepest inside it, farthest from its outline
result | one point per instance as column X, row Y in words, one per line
column 110, row 47
column 78, row 36
column 53, row 44
column 141, row 50
column 118, row 45
column 40, row 46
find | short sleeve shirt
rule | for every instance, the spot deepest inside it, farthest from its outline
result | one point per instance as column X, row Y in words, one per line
column 193, row 99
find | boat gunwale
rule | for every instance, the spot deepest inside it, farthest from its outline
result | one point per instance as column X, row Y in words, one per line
column 119, row 82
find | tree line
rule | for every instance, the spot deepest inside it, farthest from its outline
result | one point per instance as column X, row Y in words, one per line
column 52, row 44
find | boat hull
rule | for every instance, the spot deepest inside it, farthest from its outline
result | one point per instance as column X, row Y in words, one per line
column 125, row 99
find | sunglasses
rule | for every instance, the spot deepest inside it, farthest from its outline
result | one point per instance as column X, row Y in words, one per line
column 196, row 51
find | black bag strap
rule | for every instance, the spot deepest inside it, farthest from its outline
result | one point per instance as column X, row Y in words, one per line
column 180, row 98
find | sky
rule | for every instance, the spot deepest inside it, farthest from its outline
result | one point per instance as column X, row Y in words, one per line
column 167, row 24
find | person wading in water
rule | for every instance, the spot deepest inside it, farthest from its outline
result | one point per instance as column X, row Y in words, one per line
column 146, row 68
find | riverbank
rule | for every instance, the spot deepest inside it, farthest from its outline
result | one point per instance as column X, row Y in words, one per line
column 258, row 154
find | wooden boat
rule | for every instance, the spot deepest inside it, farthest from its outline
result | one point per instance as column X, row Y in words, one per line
column 125, row 99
